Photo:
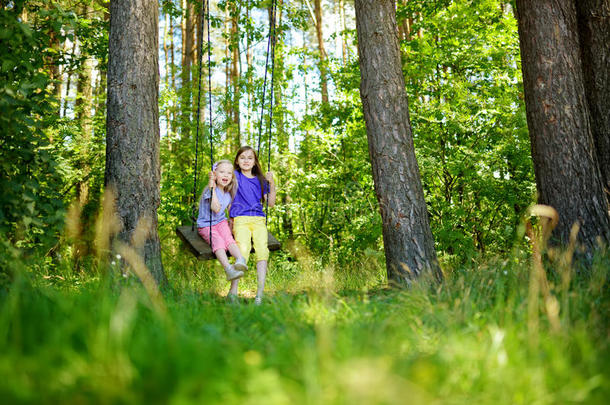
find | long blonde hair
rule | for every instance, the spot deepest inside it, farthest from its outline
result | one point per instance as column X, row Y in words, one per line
column 230, row 188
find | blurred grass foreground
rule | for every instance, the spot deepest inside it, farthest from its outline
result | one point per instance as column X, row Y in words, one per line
column 516, row 330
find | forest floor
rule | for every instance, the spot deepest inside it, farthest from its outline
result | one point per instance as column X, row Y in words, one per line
column 487, row 334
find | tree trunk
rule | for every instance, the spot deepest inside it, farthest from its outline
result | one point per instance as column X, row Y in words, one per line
column 408, row 241
column 278, row 108
column 168, row 118
column 567, row 174
column 320, row 36
column 100, row 93
column 172, row 53
column 343, row 31
column 172, row 73
column 249, row 73
column 188, row 52
column 235, row 113
column 53, row 61
column 227, row 103
column 594, row 30
column 69, row 78
column 201, row 45
column 55, row 75
column 132, row 143
column 83, row 107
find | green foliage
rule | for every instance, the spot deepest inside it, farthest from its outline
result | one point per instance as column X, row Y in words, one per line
column 468, row 117
column 31, row 207
column 333, row 198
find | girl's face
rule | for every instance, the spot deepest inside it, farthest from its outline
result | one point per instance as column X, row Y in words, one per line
column 246, row 160
column 224, row 174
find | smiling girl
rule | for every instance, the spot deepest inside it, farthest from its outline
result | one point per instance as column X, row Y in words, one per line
column 249, row 227
column 217, row 196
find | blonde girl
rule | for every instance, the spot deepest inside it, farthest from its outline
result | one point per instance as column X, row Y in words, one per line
column 217, row 196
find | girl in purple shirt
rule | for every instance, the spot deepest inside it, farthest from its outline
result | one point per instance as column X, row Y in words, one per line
column 249, row 227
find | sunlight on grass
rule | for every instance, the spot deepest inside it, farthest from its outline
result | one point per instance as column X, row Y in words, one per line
column 484, row 335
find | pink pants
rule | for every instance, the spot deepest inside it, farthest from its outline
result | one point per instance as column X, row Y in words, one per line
column 221, row 235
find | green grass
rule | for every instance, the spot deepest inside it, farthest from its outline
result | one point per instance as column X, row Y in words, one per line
column 325, row 334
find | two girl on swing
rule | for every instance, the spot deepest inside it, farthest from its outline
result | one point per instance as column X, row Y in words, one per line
column 242, row 186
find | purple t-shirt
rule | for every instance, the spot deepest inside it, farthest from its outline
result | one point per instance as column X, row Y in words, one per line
column 247, row 201
column 224, row 199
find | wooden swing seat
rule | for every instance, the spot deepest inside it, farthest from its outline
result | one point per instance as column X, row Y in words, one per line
column 202, row 251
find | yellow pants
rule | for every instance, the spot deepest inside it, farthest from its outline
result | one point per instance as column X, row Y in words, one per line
column 249, row 229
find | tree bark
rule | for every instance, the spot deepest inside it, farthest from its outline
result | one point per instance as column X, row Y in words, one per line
column 83, row 107
column 100, row 93
column 132, row 143
column 235, row 112
column 344, row 34
column 188, row 53
column 594, row 31
column 567, row 173
column 249, row 74
column 408, row 241
column 172, row 53
column 201, row 45
column 69, row 78
column 320, row 37
column 55, row 73
column 168, row 118
column 279, row 69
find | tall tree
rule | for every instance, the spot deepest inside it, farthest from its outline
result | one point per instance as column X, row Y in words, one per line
column 83, row 107
column 321, row 49
column 167, row 31
column 132, row 143
column 408, row 241
column 594, row 32
column 404, row 22
column 52, row 59
column 566, row 168
column 343, row 30
column 234, row 116
column 188, row 54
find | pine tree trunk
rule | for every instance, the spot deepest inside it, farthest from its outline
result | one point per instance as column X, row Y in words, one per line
column 172, row 54
column 132, row 143
column 69, row 78
column 567, row 174
column 172, row 73
column 343, row 31
column 100, row 93
column 188, row 52
column 249, row 72
column 83, row 108
column 278, row 109
column 56, row 75
column 201, row 45
column 235, row 113
column 408, row 241
column 168, row 118
column 53, row 61
column 594, row 30
column 227, row 104
column 320, row 37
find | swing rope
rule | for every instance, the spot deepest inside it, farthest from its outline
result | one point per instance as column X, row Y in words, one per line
column 205, row 14
column 270, row 45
